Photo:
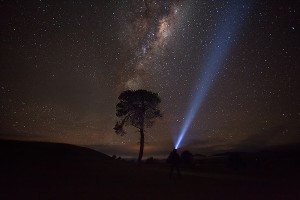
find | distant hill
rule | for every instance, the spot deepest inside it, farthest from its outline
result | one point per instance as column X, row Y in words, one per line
column 44, row 150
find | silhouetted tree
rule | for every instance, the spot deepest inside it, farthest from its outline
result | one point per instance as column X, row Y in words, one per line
column 138, row 108
column 187, row 158
column 150, row 160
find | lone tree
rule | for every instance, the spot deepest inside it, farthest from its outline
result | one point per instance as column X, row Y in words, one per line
column 138, row 108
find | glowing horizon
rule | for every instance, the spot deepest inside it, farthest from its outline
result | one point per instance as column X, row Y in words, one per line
column 224, row 38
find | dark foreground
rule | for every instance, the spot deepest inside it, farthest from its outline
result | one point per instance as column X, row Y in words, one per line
column 57, row 171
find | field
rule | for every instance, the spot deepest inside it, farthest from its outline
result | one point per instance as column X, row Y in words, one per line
column 31, row 170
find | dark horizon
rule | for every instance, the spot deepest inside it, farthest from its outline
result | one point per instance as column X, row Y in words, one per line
column 162, row 153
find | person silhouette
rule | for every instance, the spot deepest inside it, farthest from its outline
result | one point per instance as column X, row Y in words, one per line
column 174, row 161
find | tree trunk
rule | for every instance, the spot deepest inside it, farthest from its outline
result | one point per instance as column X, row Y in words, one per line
column 141, row 145
column 142, row 131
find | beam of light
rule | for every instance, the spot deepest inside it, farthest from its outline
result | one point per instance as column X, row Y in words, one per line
column 225, row 37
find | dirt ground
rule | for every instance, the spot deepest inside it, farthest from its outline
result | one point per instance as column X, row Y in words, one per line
column 64, row 172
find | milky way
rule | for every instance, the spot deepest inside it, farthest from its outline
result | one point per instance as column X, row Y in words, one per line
column 64, row 64
column 148, row 30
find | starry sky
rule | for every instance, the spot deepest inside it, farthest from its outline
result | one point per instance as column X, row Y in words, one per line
column 64, row 64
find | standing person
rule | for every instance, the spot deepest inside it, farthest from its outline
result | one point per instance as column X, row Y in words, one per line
column 174, row 161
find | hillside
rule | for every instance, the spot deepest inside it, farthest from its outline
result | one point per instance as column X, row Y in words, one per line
column 48, row 151
column 33, row 170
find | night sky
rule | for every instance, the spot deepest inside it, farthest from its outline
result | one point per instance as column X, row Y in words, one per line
column 64, row 64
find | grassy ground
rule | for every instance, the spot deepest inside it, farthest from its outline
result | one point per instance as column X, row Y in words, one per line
column 53, row 171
